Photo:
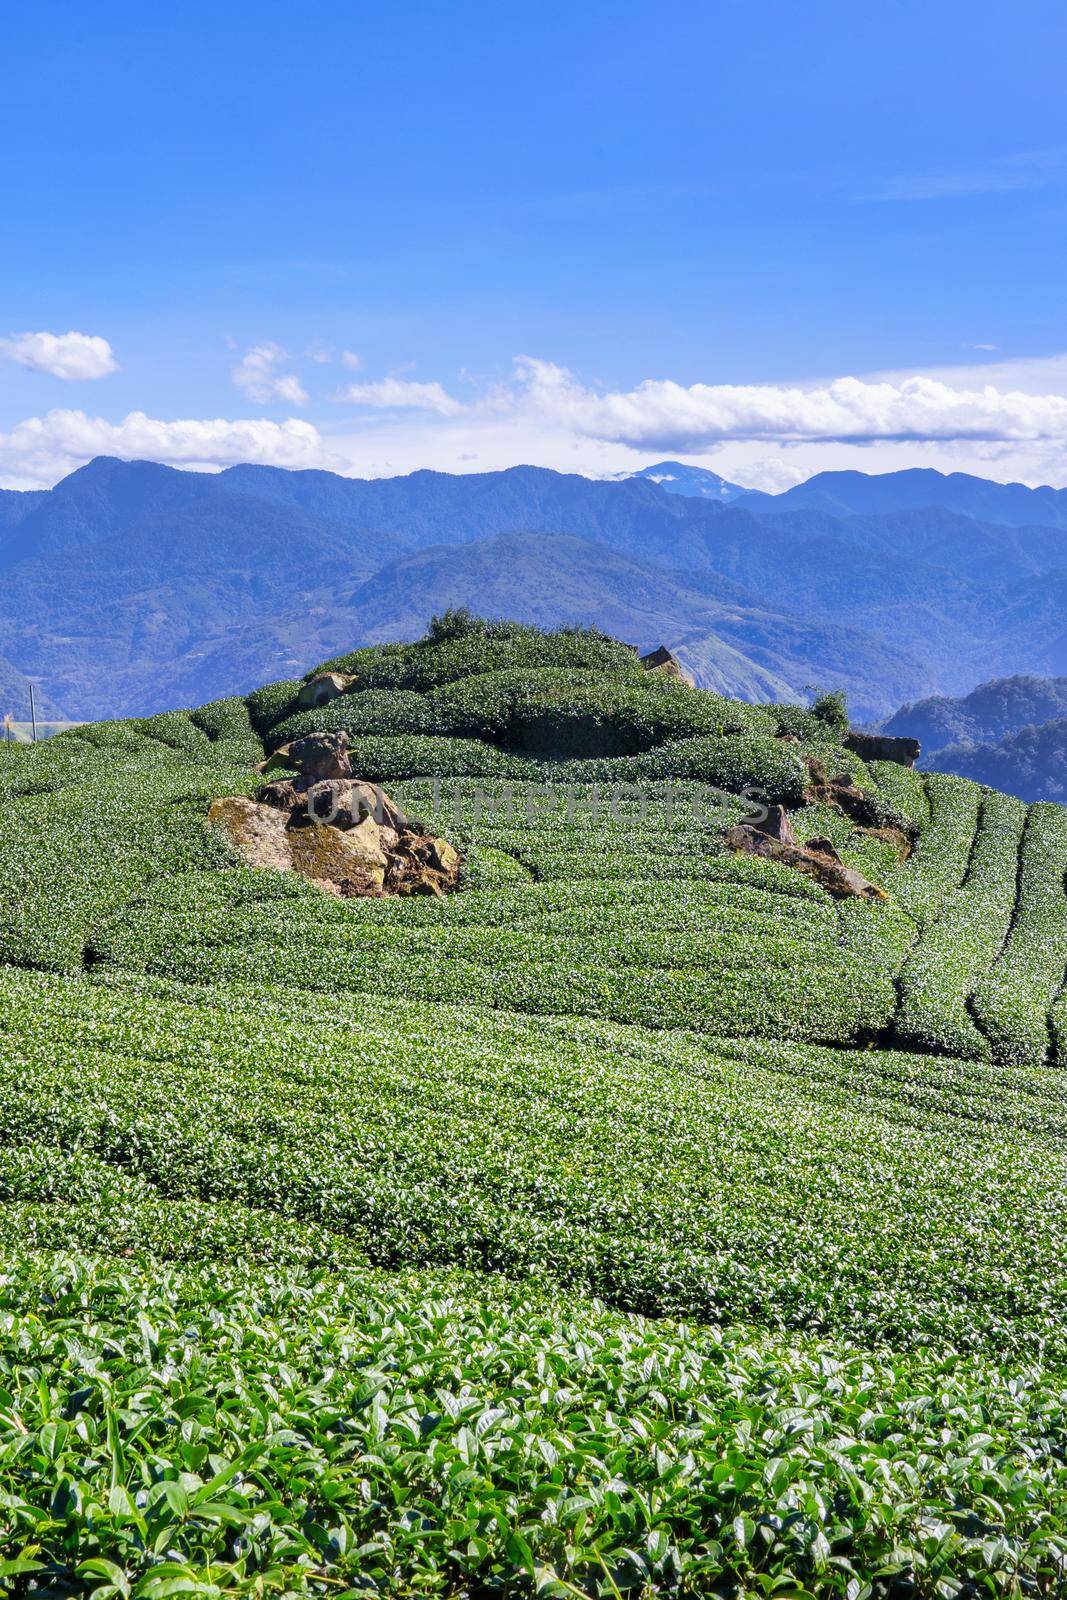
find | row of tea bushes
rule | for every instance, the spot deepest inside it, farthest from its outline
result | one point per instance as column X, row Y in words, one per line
column 961, row 940
column 664, row 1172
column 98, row 829
column 429, row 663
column 941, row 856
column 1013, row 1002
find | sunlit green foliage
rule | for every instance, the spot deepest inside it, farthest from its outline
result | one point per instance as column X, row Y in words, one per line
column 939, row 863
column 224, row 719
column 174, row 728
column 964, row 938
column 329, row 1229
column 363, row 711
column 497, row 647
column 726, row 1180
column 1012, row 1004
column 268, row 705
column 904, row 789
column 297, row 1434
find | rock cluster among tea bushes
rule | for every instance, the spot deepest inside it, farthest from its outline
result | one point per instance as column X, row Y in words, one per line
column 637, row 1219
column 343, row 834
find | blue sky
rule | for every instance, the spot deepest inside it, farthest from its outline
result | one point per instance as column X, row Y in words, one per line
column 643, row 199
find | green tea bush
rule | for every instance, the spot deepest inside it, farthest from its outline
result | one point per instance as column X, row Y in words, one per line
column 123, row 734
column 367, row 711
column 840, row 762
column 381, row 758
column 1012, row 1003
column 764, row 767
column 41, row 768
column 747, row 974
column 963, row 939
column 716, row 984
column 799, row 721
column 744, row 762
column 174, row 728
column 224, row 719
column 938, row 864
column 424, row 1434
column 428, row 664
column 73, row 855
column 904, row 789
column 270, row 704
column 328, row 1228
column 576, row 714
column 486, row 868
column 820, row 1190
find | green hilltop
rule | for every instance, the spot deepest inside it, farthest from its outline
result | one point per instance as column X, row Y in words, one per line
column 638, row 1219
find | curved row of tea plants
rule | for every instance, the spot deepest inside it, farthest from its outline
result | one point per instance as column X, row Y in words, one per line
column 1013, row 1004
column 964, row 938
column 664, row 1172
column 304, row 1202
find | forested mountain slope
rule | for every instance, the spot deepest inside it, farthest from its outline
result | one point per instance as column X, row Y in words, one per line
column 1010, row 732
column 916, row 489
column 1031, row 763
column 1001, row 706
column 131, row 586
column 638, row 1219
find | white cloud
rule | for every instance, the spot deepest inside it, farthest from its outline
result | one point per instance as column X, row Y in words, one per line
column 1033, row 374
column 41, row 450
column 400, row 394
column 662, row 415
column 257, row 376
column 71, row 356
column 999, row 418
column 351, row 360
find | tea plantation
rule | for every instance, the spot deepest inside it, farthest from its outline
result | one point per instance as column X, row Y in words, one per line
column 637, row 1220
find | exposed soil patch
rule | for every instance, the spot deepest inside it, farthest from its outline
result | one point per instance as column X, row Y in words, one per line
column 773, row 839
column 843, row 795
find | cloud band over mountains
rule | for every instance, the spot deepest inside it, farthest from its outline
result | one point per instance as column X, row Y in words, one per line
column 44, row 449
column 543, row 411
column 665, row 416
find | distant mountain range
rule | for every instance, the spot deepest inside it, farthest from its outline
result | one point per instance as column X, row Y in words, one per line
column 1031, row 763
column 988, row 713
column 1010, row 733
column 698, row 483
column 131, row 587
column 844, row 494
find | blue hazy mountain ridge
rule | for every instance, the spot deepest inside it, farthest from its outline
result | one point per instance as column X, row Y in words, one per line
column 1030, row 763
column 16, row 504
column 1010, row 733
column 634, row 516
column 548, row 579
column 916, row 488
column 554, row 576
column 992, row 710
column 697, row 483
column 553, row 579
column 131, row 586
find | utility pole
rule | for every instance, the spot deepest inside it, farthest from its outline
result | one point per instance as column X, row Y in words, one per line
column 33, row 716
